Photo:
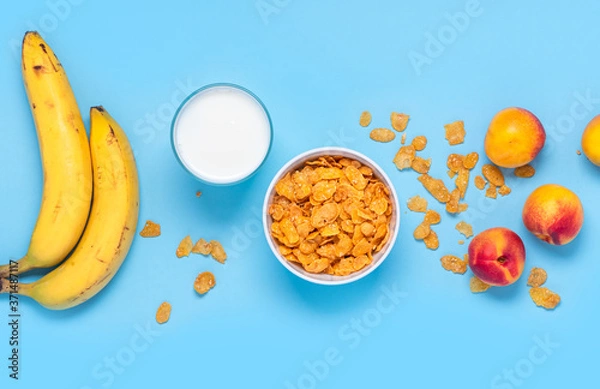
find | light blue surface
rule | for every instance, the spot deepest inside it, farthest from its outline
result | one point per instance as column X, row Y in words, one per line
column 316, row 65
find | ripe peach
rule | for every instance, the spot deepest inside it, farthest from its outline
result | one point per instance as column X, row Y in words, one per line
column 554, row 214
column 590, row 141
column 514, row 138
column 497, row 256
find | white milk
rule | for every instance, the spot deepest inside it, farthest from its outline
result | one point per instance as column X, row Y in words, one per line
column 222, row 134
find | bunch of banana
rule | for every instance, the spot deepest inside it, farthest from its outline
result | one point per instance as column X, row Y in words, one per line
column 113, row 218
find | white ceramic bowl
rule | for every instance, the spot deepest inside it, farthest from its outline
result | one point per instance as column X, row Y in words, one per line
column 378, row 258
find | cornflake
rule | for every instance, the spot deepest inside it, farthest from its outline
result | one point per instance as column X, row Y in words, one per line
column 204, row 282
column 478, row 286
column 431, row 241
column 150, row 230
column 382, row 135
column 432, row 217
column 417, row 204
column 504, row 190
column 454, row 264
column 455, row 162
column 405, row 157
column 198, row 194
column 471, row 160
column 544, row 297
column 461, row 242
column 422, row 231
column 185, row 247
column 526, row 171
column 462, row 181
column 421, row 165
column 537, row 277
column 365, row 119
column 163, row 313
column 480, row 182
column 578, row 152
column 217, row 251
column 436, row 187
column 492, row 191
column 420, row 142
column 455, row 132
column 202, row 247
column 493, row 174
column 403, row 139
column 399, row 121
column 464, row 228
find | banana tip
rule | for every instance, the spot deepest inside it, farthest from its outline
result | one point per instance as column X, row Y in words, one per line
column 98, row 108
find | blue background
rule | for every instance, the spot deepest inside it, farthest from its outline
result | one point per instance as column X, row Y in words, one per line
column 316, row 65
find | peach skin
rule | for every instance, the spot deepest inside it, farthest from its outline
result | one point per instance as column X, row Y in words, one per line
column 590, row 141
column 554, row 214
column 514, row 138
column 497, row 256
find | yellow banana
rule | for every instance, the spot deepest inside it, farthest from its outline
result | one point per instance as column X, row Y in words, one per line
column 65, row 155
column 110, row 229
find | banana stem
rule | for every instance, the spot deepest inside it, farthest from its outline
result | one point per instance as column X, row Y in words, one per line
column 21, row 266
column 7, row 287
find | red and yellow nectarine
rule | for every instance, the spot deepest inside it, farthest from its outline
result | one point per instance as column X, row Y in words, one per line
column 554, row 214
column 497, row 256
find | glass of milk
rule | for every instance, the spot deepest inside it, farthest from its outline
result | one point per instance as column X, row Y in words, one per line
column 222, row 134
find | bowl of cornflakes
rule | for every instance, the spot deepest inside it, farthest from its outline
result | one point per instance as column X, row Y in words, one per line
column 331, row 215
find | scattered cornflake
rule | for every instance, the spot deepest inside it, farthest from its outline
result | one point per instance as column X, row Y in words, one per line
column 382, row 135
column 452, row 204
column 451, row 174
column 163, row 313
column 403, row 139
column 431, row 241
column 421, row 165
column 399, row 121
column 217, row 251
column 493, row 174
column 455, row 132
column 198, row 194
column 462, row 181
column 420, row 142
column 461, row 242
column 204, row 282
column 150, row 230
column 455, row 162
column 417, row 204
column 492, row 191
column 422, row 231
column 464, row 228
column 480, row 182
column 202, row 247
column 478, row 286
column 471, row 160
column 537, row 277
column 526, row 171
column 405, row 157
column 436, row 187
column 578, row 152
column 454, row 264
column 544, row 297
column 185, row 247
column 504, row 190
column 432, row 217
column 365, row 119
